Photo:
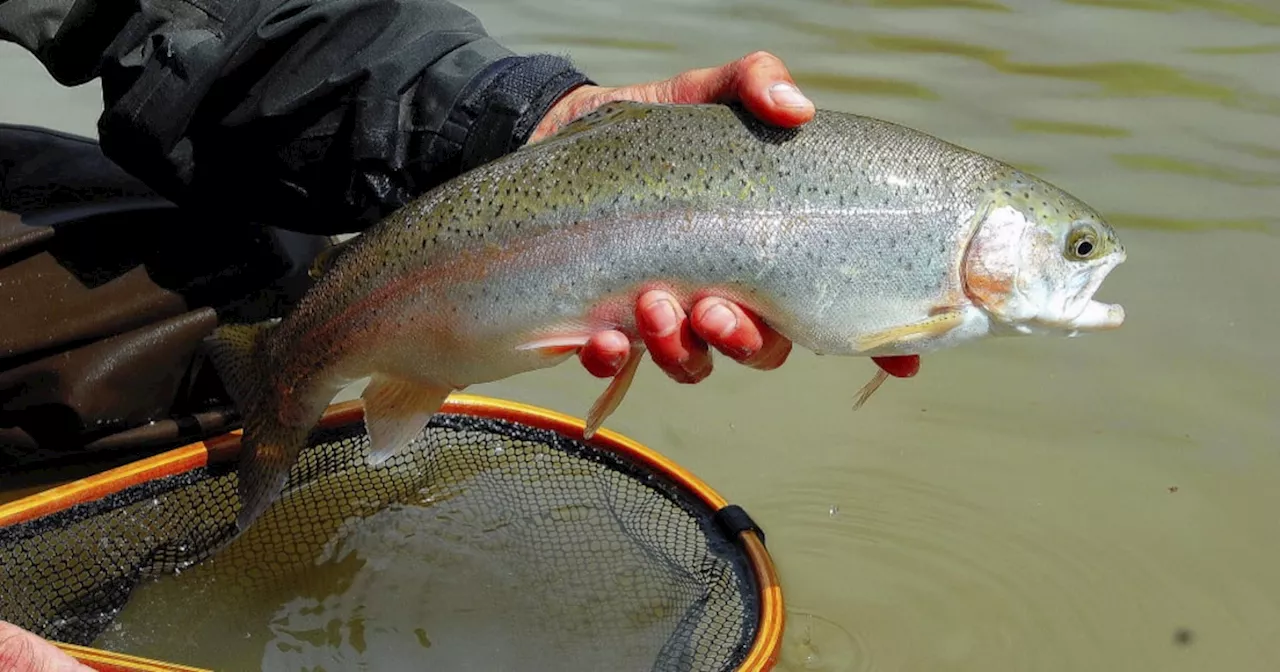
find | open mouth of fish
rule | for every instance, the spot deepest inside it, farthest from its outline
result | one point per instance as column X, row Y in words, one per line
column 1096, row 315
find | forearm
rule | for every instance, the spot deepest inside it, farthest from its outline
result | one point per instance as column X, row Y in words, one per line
column 319, row 117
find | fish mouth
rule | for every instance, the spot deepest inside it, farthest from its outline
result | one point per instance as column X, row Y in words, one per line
column 1095, row 315
column 1098, row 316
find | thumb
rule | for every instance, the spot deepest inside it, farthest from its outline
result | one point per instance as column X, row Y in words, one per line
column 23, row 651
column 760, row 81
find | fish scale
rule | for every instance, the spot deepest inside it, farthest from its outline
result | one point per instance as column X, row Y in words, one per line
column 848, row 235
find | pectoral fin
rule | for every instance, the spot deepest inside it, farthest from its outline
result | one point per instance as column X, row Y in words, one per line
column 395, row 411
column 554, row 346
column 609, row 400
column 937, row 324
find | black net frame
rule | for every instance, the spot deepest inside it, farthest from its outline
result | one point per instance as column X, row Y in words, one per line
column 62, row 590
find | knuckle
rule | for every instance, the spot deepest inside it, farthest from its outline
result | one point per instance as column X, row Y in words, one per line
column 757, row 57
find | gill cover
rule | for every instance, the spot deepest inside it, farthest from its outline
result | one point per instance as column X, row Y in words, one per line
column 1037, row 258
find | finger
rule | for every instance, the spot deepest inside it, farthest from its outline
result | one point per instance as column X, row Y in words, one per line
column 739, row 334
column 766, row 89
column 23, row 650
column 670, row 340
column 899, row 366
column 605, row 354
column 759, row 80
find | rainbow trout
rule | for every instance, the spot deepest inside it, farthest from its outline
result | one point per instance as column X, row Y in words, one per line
column 848, row 235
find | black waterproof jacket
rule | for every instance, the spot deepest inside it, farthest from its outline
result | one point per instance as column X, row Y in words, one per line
column 245, row 129
column 319, row 117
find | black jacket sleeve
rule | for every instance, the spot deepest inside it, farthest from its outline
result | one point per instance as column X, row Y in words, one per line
column 313, row 116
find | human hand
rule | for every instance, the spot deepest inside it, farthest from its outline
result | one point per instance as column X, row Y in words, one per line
column 22, row 651
column 678, row 341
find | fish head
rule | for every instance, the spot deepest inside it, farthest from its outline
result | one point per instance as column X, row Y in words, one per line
column 1037, row 258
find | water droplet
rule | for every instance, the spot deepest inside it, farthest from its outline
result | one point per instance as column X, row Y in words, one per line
column 835, row 508
column 498, row 450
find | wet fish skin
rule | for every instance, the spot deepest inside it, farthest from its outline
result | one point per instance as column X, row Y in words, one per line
column 849, row 235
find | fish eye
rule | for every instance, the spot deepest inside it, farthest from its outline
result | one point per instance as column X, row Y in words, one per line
column 1082, row 243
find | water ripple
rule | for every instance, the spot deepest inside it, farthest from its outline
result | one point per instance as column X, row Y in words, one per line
column 925, row 577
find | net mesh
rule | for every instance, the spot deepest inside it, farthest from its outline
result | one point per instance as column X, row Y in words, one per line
column 487, row 544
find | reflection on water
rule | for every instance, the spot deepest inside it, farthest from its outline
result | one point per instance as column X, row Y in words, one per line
column 1102, row 503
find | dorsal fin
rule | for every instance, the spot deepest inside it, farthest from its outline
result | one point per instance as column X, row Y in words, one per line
column 605, row 115
column 324, row 261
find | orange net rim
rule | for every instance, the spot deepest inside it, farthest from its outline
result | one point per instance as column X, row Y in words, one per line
column 109, row 661
column 764, row 652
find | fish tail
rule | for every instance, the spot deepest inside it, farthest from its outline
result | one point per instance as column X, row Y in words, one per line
column 269, row 447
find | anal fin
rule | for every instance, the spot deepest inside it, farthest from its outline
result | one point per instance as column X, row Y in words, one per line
column 938, row 323
column 612, row 397
column 870, row 388
column 396, row 410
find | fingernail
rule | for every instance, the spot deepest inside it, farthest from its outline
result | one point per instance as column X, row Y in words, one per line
column 614, row 360
column 662, row 318
column 699, row 375
column 788, row 96
column 694, row 373
column 719, row 320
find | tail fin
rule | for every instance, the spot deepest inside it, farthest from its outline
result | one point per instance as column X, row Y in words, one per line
column 268, row 447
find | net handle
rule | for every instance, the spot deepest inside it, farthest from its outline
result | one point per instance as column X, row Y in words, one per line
column 764, row 651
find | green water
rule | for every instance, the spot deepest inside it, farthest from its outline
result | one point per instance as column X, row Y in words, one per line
column 1102, row 503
